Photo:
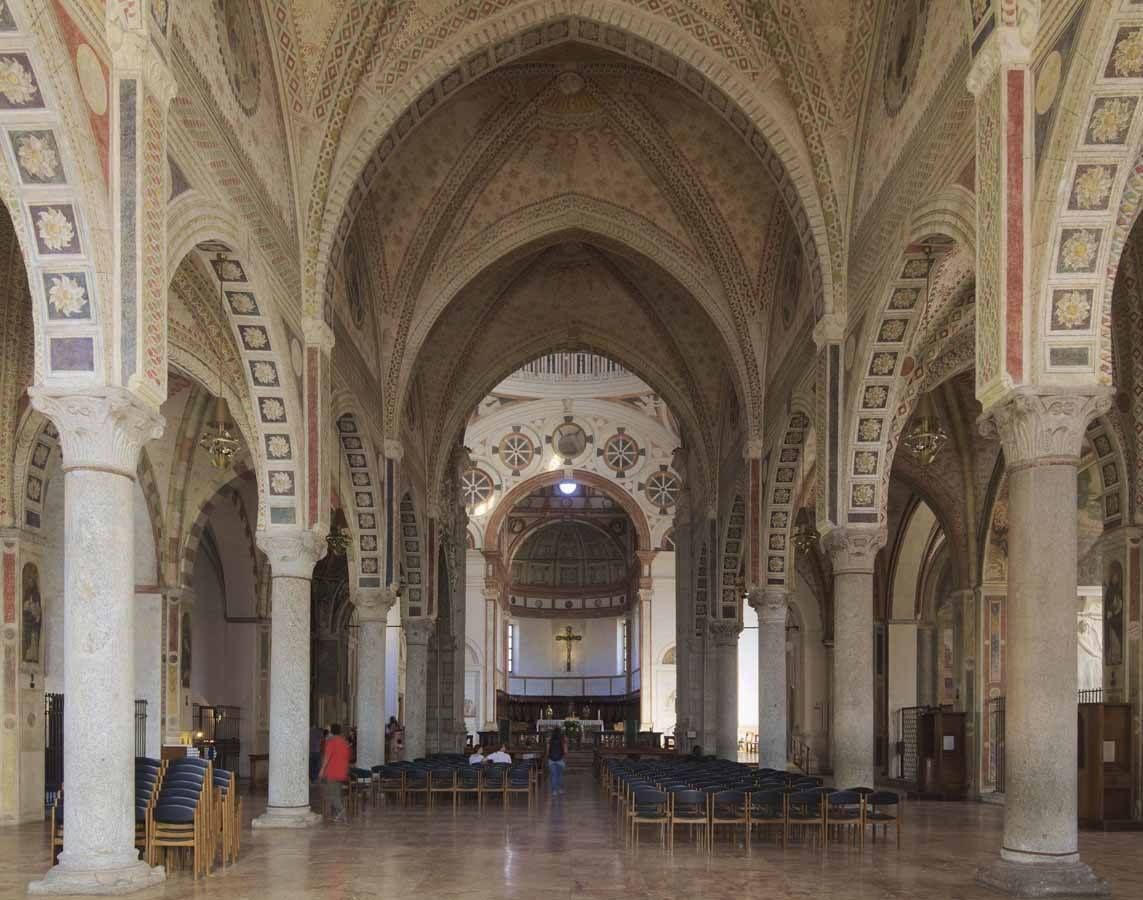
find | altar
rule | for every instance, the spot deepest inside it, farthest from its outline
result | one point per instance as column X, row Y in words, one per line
column 587, row 726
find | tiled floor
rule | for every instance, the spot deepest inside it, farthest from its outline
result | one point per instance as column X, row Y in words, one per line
column 572, row 849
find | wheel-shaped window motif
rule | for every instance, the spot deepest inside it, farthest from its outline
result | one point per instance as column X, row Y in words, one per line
column 516, row 451
column 475, row 487
column 663, row 489
column 621, row 452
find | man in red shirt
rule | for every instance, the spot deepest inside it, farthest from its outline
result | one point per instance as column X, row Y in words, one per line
column 335, row 772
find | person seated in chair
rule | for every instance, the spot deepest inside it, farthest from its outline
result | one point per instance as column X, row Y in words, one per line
column 477, row 756
column 500, row 756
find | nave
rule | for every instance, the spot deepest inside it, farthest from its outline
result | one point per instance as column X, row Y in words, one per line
column 573, row 847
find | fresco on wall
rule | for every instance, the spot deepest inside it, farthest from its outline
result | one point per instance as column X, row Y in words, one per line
column 1113, row 615
column 185, row 654
column 33, row 616
column 1089, row 637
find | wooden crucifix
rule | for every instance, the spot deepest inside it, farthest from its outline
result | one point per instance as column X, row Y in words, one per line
column 568, row 636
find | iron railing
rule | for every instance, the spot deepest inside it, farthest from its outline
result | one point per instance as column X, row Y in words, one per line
column 140, row 727
column 907, row 751
column 1092, row 695
column 801, row 755
column 53, row 746
column 997, row 763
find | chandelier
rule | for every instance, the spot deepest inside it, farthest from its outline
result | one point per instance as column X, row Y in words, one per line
column 805, row 536
column 926, row 436
column 219, row 440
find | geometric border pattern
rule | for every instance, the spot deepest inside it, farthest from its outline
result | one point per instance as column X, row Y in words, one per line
column 362, row 499
column 782, row 498
column 411, row 557
column 37, row 184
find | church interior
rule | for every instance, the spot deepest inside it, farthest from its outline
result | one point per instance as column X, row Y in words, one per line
column 731, row 410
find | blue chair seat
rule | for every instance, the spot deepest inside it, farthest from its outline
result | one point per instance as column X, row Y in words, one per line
column 173, row 814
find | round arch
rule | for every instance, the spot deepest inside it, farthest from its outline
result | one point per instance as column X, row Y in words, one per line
column 363, row 494
column 340, row 190
column 547, row 479
column 512, row 357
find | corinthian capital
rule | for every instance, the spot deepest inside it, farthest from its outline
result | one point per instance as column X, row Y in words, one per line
column 771, row 604
column 100, row 428
column 292, row 552
column 373, row 604
column 854, row 549
column 1044, row 426
column 725, row 631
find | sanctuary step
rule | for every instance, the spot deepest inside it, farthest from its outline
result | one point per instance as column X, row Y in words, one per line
column 580, row 760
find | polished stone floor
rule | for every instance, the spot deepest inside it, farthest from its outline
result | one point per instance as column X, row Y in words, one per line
column 571, row 848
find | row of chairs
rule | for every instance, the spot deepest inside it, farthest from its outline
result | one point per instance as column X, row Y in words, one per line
column 407, row 782
column 182, row 807
column 703, row 799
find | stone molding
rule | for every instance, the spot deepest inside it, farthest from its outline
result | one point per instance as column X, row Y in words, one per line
column 392, row 449
column 132, row 50
column 1044, row 426
column 292, row 553
column 772, row 605
column 318, row 334
column 854, row 550
column 725, row 632
column 373, row 604
column 419, row 630
column 101, row 428
column 644, row 595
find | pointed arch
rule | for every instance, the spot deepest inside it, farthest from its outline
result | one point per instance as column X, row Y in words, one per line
column 364, row 496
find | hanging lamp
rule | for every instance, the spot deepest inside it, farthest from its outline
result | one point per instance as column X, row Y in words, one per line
column 927, row 435
column 219, row 440
column 338, row 538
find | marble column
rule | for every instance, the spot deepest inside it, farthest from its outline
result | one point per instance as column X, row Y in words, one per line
column 292, row 554
column 853, row 551
column 373, row 605
column 101, row 431
column 417, row 633
column 1042, row 432
column 772, row 605
column 725, row 633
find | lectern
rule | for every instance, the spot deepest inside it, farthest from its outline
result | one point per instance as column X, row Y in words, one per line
column 943, row 761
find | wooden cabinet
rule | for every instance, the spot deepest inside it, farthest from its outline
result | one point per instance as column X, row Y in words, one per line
column 942, row 759
column 1105, row 795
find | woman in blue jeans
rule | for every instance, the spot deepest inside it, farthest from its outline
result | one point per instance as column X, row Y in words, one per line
column 557, row 750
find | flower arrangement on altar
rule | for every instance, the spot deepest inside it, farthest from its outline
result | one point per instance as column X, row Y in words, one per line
column 573, row 730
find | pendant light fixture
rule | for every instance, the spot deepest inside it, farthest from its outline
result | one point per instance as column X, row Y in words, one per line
column 338, row 538
column 805, row 536
column 219, row 440
column 927, row 435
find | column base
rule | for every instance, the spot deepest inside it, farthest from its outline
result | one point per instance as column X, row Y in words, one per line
column 287, row 817
column 65, row 879
column 1042, row 879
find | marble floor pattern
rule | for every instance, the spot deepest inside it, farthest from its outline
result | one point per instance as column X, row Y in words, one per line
column 572, row 848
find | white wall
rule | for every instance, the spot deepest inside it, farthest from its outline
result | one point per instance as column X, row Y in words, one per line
column 541, row 654
column 748, row 672
column 52, row 583
column 662, row 680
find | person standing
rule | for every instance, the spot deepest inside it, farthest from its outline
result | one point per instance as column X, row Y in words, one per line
column 335, row 773
column 557, row 762
column 317, row 735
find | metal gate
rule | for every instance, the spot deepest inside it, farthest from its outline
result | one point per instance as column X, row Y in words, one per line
column 908, row 744
column 53, row 746
column 54, row 742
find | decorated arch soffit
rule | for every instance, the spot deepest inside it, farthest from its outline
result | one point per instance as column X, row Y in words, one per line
column 373, row 135
column 361, row 496
column 1090, row 186
column 271, row 364
column 787, row 476
column 48, row 183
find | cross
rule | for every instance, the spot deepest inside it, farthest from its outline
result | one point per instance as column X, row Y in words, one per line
column 569, row 637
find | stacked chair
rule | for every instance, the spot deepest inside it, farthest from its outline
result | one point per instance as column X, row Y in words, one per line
column 707, row 796
column 181, row 823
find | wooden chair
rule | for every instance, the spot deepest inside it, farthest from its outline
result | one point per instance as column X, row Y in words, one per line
column 650, row 807
column 844, row 817
column 805, row 812
column 57, row 827
column 731, row 807
column 416, row 785
column 442, row 783
column 391, row 780
column 768, row 810
column 181, row 821
column 360, row 790
column 228, row 814
column 467, row 784
column 520, row 780
column 883, row 808
column 692, row 809
column 492, row 783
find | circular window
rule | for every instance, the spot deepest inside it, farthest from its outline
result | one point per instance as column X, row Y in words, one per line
column 516, row 451
column 620, row 453
column 663, row 489
column 903, row 52
column 569, row 440
column 475, row 487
